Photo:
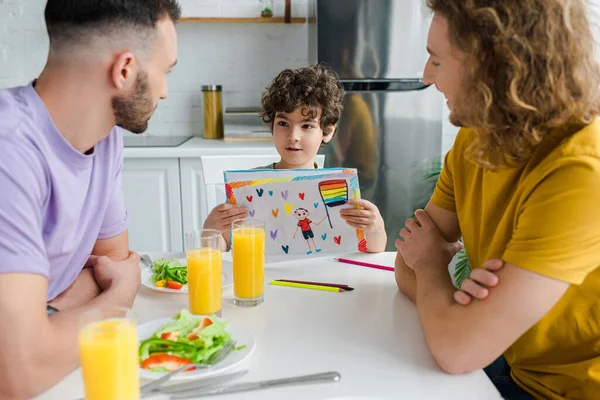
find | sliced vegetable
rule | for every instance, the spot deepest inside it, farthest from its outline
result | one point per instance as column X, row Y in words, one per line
column 155, row 345
column 169, row 269
column 165, row 362
column 170, row 336
column 194, row 334
column 174, row 285
column 161, row 283
column 187, row 336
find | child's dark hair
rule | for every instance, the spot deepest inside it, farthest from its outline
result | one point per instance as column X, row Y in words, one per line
column 316, row 87
column 300, row 208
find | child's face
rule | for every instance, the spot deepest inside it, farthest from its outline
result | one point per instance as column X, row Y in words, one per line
column 301, row 214
column 298, row 138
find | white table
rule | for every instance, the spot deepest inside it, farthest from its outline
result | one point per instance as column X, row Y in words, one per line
column 371, row 336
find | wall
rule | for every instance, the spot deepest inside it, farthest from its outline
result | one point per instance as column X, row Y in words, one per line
column 242, row 57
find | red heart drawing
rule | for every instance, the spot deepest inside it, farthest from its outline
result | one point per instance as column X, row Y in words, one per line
column 301, row 196
column 337, row 239
column 249, row 198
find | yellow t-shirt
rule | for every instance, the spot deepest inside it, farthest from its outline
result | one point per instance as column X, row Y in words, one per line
column 543, row 216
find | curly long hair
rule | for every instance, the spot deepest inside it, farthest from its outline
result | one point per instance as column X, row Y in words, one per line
column 530, row 68
column 315, row 88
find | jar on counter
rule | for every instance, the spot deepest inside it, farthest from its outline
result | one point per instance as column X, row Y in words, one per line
column 213, row 112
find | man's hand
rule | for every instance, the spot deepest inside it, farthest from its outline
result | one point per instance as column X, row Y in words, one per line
column 477, row 286
column 223, row 215
column 84, row 289
column 122, row 274
column 422, row 243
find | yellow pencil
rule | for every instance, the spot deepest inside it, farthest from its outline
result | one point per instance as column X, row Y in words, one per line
column 306, row 286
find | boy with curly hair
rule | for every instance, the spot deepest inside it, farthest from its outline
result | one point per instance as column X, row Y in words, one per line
column 303, row 107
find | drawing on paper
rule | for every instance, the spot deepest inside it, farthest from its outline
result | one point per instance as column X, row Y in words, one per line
column 333, row 193
column 304, row 224
column 297, row 204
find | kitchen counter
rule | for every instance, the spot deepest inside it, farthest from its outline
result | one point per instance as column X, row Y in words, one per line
column 197, row 146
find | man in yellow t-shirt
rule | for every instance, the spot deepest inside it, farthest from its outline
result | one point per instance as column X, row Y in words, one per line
column 521, row 186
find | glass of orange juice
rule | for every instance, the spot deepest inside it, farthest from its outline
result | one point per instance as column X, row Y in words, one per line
column 248, row 248
column 204, row 271
column 108, row 350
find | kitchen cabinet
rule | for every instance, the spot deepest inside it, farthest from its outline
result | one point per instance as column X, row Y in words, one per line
column 151, row 188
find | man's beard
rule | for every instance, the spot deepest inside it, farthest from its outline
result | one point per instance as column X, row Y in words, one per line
column 455, row 120
column 133, row 111
column 455, row 117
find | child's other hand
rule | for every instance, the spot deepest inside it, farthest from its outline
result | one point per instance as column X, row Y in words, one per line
column 366, row 218
column 223, row 215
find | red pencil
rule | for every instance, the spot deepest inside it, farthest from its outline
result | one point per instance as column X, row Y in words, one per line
column 337, row 285
column 364, row 264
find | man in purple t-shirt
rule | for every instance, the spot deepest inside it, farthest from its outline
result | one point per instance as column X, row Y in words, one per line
column 63, row 223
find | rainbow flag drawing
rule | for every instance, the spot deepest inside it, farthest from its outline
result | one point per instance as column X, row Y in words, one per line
column 334, row 193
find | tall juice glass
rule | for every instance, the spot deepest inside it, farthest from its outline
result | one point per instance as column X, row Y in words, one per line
column 204, row 271
column 108, row 349
column 248, row 248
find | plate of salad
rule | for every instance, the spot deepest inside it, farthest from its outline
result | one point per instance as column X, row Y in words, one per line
column 170, row 275
column 169, row 343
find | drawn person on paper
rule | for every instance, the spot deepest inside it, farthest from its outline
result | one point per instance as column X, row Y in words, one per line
column 304, row 224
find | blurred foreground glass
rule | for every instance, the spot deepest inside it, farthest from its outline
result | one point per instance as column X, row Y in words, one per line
column 108, row 348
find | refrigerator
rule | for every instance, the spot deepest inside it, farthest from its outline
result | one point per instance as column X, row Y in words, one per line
column 391, row 126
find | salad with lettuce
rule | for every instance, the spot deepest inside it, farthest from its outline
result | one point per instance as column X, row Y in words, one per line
column 169, row 273
column 188, row 339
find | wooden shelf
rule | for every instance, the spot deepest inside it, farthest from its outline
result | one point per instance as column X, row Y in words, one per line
column 258, row 20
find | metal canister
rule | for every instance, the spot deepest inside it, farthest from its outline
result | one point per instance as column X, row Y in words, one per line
column 213, row 112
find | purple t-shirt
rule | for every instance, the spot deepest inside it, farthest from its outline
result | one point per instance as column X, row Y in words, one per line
column 55, row 202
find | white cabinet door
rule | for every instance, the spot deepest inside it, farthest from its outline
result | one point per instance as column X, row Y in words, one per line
column 192, row 192
column 203, row 186
column 152, row 196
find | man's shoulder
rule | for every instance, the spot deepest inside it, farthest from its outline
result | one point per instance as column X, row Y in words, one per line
column 577, row 150
column 20, row 149
column 13, row 111
column 585, row 142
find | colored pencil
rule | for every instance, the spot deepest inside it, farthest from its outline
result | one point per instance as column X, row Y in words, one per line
column 364, row 264
column 304, row 286
column 338, row 285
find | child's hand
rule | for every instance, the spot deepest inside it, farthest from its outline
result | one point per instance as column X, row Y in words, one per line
column 366, row 218
column 223, row 215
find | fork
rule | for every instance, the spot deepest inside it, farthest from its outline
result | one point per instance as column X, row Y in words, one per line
column 214, row 359
column 146, row 260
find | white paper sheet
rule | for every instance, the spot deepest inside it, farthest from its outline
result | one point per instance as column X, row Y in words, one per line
column 301, row 208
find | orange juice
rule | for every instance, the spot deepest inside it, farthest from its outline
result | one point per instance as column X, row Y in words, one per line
column 109, row 360
column 248, row 246
column 205, row 282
